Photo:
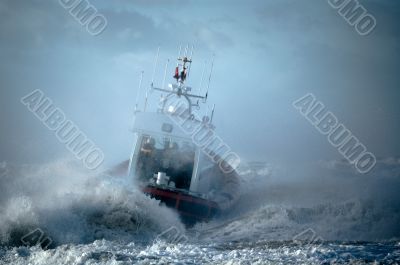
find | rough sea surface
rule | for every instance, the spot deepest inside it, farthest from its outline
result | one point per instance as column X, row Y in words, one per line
column 61, row 214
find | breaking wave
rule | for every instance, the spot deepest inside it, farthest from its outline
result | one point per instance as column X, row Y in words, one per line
column 74, row 206
column 70, row 205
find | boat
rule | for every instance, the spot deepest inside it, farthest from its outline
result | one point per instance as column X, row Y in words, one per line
column 170, row 162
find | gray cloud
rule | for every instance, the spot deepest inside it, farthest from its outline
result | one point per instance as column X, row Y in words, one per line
column 268, row 53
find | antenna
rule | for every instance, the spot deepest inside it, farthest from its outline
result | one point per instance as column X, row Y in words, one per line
column 165, row 74
column 190, row 59
column 180, row 88
column 138, row 92
column 180, row 49
column 155, row 65
column 202, row 77
column 145, row 101
column 209, row 78
column 191, row 53
column 212, row 113
column 186, row 50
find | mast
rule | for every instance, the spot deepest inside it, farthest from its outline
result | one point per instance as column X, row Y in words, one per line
column 179, row 88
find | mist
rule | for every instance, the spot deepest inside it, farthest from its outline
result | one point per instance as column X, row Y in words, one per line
column 267, row 55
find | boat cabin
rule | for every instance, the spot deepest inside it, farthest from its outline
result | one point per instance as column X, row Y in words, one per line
column 164, row 155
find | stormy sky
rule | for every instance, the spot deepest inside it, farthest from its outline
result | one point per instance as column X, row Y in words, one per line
column 268, row 53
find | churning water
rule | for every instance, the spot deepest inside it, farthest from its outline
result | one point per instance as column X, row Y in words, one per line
column 79, row 218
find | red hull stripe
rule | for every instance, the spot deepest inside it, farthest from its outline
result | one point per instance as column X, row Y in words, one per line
column 177, row 196
column 211, row 206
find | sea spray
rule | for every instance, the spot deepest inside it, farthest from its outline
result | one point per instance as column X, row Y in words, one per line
column 72, row 206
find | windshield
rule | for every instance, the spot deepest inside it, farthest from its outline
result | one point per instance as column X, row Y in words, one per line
column 174, row 157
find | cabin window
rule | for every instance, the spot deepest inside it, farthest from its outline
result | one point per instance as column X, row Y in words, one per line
column 167, row 127
column 174, row 157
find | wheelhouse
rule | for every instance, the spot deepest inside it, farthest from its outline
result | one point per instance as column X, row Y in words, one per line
column 163, row 154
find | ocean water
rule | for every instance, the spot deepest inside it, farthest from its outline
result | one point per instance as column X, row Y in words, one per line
column 60, row 214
